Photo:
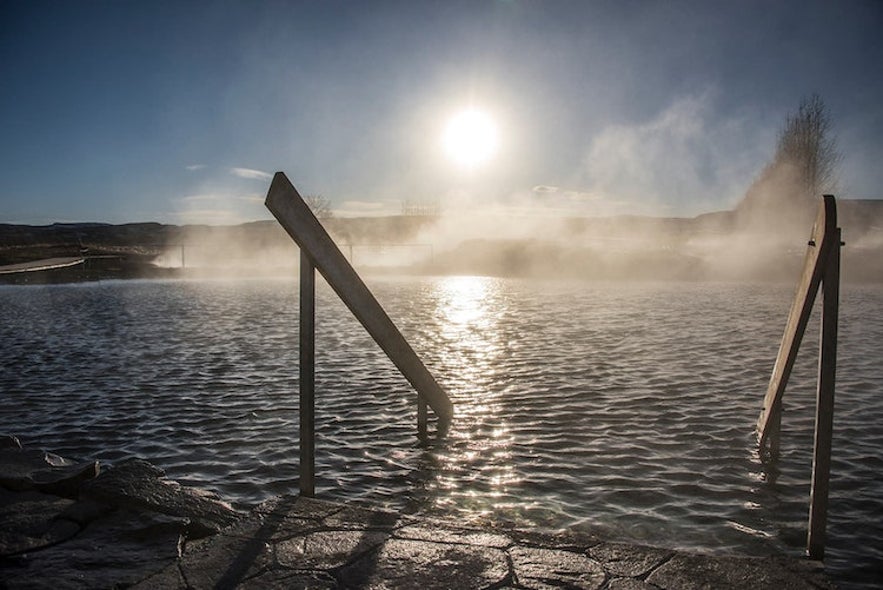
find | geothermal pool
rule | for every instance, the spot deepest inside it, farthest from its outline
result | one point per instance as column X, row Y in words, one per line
column 626, row 409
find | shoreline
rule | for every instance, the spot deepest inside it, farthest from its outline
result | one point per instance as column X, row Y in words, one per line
column 129, row 525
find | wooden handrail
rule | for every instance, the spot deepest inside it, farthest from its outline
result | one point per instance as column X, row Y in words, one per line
column 319, row 252
column 821, row 268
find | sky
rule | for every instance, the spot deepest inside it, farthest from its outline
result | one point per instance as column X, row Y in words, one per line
column 180, row 111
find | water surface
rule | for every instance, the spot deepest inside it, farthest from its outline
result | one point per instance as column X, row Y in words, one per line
column 623, row 409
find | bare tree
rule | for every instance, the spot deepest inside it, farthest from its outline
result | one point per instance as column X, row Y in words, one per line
column 320, row 206
column 785, row 195
column 806, row 142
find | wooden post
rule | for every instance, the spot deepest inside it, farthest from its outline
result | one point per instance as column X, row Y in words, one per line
column 307, row 376
column 775, row 432
column 301, row 224
column 811, row 277
column 821, row 269
column 422, row 417
column 821, row 470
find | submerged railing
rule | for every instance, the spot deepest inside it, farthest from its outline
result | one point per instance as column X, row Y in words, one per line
column 821, row 269
column 319, row 252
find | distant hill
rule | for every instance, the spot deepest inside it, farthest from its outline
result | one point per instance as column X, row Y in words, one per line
column 718, row 246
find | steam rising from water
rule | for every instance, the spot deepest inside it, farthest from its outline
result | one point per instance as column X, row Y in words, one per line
column 757, row 241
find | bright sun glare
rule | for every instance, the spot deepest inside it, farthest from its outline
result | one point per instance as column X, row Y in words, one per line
column 470, row 138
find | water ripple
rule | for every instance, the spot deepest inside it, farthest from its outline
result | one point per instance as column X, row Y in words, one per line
column 625, row 409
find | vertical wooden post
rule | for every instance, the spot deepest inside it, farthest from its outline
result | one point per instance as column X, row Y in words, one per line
column 821, row 470
column 422, row 417
column 307, row 375
column 295, row 216
column 775, row 434
column 182, row 256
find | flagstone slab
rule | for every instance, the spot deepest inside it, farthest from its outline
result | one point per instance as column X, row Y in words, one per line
column 699, row 572
column 621, row 559
column 404, row 565
column 547, row 569
column 444, row 533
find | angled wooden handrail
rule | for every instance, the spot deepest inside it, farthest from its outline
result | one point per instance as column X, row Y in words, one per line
column 319, row 252
column 821, row 268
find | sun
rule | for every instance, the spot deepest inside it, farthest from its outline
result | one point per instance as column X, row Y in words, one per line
column 470, row 138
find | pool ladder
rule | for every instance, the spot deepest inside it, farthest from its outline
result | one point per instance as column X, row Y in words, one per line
column 319, row 252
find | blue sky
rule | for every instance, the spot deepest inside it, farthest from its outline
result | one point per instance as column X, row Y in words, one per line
column 177, row 112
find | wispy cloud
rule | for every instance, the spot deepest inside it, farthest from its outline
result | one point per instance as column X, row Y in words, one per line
column 219, row 208
column 251, row 174
column 195, row 167
column 198, row 198
column 252, row 198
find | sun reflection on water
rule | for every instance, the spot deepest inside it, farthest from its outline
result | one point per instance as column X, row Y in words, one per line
column 476, row 464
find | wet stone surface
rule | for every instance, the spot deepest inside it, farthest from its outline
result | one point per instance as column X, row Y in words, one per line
column 689, row 572
column 139, row 484
column 131, row 527
column 631, row 561
column 71, row 525
column 300, row 542
column 555, row 568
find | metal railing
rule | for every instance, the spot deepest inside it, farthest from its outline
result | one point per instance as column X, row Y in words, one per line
column 821, row 270
column 319, row 252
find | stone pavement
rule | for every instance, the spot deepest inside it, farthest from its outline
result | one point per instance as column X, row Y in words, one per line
column 74, row 525
column 297, row 542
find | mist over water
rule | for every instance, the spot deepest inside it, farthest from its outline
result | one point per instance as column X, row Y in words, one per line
column 621, row 408
column 763, row 238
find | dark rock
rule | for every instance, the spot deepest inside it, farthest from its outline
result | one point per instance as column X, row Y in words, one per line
column 30, row 520
column 687, row 572
column 139, row 484
column 8, row 441
column 554, row 568
column 31, row 469
column 628, row 560
column 116, row 550
column 420, row 564
column 85, row 511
